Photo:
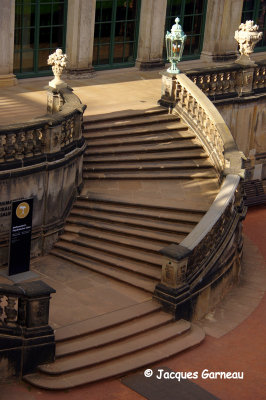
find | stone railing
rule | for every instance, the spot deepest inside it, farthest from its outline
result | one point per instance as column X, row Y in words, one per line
column 204, row 119
column 26, row 339
column 38, row 139
column 230, row 81
column 194, row 271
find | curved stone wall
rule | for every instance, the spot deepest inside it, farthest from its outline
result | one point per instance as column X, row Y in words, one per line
column 42, row 159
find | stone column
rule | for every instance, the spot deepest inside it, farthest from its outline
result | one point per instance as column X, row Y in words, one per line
column 151, row 34
column 80, row 37
column 222, row 20
column 7, row 26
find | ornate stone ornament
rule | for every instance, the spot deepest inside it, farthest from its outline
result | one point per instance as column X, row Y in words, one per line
column 247, row 36
column 58, row 60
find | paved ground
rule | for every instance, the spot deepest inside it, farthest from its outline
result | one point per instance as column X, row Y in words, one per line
column 235, row 340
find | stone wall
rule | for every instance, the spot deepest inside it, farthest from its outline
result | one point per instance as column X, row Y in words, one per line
column 247, row 122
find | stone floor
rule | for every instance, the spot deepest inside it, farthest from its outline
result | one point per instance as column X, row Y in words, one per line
column 102, row 93
column 236, row 329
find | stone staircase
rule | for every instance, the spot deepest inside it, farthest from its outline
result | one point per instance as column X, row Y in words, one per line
column 147, row 183
column 124, row 215
column 114, row 344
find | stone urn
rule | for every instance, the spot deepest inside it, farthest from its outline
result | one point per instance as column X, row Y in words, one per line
column 58, row 60
column 247, row 36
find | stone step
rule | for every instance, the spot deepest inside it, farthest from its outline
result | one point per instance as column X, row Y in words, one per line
column 141, row 148
column 148, row 166
column 123, row 115
column 140, row 222
column 157, row 206
column 129, row 122
column 129, row 345
column 185, row 215
column 79, row 256
column 132, row 232
column 93, row 325
column 133, row 137
column 112, row 237
column 113, row 334
column 175, row 154
column 120, row 366
column 152, row 175
column 117, row 250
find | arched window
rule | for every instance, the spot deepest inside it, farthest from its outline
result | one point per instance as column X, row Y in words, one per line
column 192, row 18
column 40, row 28
column 255, row 10
column 116, row 33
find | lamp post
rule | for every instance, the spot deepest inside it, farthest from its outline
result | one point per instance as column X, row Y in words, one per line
column 175, row 41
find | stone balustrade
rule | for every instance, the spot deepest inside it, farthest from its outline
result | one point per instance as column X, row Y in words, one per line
column 204, row 119
column 196, row 272
column 42, row 136
column 230, row 81
column 26, row 339
column 42, row 159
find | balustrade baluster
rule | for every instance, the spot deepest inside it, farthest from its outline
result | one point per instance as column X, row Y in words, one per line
column 37, row 142
column 1, row 307
column 10, row 147
column 213, row 84
column 19, row 145
column 29, row 144
column 2, row 147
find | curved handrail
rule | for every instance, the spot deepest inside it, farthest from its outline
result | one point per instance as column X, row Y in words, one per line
column 206, row 121
column 193, row 257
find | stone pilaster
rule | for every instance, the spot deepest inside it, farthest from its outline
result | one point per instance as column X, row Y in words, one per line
column 7, row 25
column 222, row 20
column 151, row 34
column 80, row 37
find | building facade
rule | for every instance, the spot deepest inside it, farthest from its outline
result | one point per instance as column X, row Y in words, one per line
column 106, row 34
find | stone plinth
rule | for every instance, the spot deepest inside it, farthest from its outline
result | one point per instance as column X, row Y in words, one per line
column 169, row 84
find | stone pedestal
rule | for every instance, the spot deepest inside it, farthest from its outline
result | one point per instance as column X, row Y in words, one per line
column 222, row 20
column 80, row 38
column 169, row 83
column 54, row 101
column 151, row 34
column 26, row 338
column 173, row 291
column 7, row 22
column 245, row 82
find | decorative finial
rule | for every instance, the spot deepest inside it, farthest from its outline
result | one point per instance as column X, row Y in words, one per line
column 247, row 36
column 58, row 60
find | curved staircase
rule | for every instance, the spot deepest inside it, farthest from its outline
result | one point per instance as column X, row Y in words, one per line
column 135, row 168
column 114, row 344
column 147, row 183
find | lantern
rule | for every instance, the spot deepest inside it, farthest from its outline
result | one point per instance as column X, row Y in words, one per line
column 175, row 41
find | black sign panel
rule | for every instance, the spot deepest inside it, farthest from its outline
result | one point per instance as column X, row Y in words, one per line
column 20, row 236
